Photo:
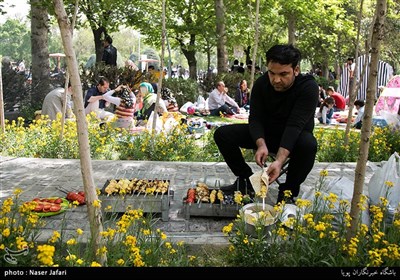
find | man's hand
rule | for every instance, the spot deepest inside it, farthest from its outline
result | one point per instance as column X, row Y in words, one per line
column 273, row 170
column 261, row 155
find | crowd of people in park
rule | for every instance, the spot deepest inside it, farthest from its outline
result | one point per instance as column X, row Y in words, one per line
column 282, row 110
column 129, row 108
column 331, row 101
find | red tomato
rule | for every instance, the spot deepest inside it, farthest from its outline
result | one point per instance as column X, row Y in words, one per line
column 46, row 207
column 38, row 208
column 55, row 208
column 58, row 201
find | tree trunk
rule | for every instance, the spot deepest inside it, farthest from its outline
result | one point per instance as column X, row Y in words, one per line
column 256, row 37
column 190, row 53
column 291, row 29
column 160, row 78
column 377, row 36
column 354, row 89
column 40, row 53
column 3, row 127
column 222, row 56
column 98, row 34
column 95, row 215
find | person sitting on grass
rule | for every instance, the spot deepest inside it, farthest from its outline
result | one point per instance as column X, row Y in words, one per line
column 146, row 100
column 325, row 112
column 125, row 102
column 219, row 102
column 359, row 104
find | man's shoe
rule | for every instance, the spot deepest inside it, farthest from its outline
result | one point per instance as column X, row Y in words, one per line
column 241, row 184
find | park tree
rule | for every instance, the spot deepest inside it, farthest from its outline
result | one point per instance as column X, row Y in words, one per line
column 15, row 38
column 105, row 17
column 94, row 212
column 329, row 36
column 377, row 32
column 221, row 36
column 40, row 54
column 185, row 21
column 390, row 51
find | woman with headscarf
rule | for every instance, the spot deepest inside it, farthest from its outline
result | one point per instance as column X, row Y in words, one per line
column 147, row 102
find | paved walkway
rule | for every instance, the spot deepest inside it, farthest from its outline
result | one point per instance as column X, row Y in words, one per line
column 41, row 177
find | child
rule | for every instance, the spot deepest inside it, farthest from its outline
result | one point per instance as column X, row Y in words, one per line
column 326, row 110
column 360, row 108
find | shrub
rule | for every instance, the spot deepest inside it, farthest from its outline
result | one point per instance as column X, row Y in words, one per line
column 130, row 240
column 312, row 239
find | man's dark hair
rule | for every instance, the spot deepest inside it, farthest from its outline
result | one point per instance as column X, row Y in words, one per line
column 108, row 39
column 284, row 54
column 102, row 80
column 359, row 103
column 350, row 59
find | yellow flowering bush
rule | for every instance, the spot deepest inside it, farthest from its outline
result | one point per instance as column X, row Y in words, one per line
column 42, row 139
column 316, row 237
column 130, row 240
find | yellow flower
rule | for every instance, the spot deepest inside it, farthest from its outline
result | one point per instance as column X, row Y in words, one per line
column 227, row 229
column 79, row 231
column 71, row 241
column 96, row 203
column 101, row 251
column 21, row 243
column 120, row 262
column 320, row 226
column 95, row 264
column 389, row 184
column 323, row 173
column 46, row 253
column 17, row 192
column 70, row 258
column 6, row 232
column 238, row 197
column 56, row 235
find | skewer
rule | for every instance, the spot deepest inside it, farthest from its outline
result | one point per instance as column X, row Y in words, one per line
column 62, row 190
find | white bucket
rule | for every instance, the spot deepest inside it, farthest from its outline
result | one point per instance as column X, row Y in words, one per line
column 255, row 216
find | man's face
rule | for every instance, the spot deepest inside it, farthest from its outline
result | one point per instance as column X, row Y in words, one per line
column 282, row 76
column 103, row 88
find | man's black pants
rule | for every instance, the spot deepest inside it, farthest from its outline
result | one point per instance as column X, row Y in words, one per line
column 230, row 138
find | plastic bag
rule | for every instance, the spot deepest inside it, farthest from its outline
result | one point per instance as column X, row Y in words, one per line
column 159, row 124
column 343, row 188
column 379, row 183
column 201, row 103
column 390, row 118
column 185, row 106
